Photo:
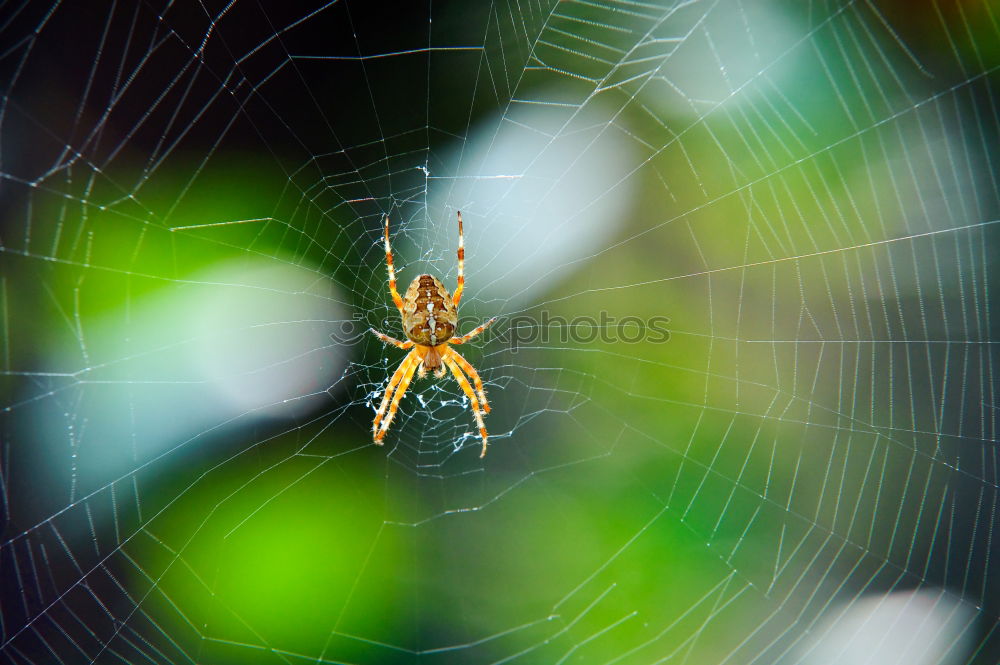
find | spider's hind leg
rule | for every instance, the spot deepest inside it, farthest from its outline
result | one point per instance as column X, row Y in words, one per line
column 392, row 271
column 408, row 344
column 466, row 337
column 461, row 262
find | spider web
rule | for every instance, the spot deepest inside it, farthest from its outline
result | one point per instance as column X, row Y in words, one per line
column 805, row 471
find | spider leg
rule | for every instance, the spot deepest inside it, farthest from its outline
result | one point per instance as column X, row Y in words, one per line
column 413, row 361
column 408, row 344
column 461, row 261
column 473, row 374
column 392, row 272
column 397, row 384
column 467, row 389
column 465, row 338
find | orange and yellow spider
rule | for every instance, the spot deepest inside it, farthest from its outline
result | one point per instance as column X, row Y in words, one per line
column 430, row 316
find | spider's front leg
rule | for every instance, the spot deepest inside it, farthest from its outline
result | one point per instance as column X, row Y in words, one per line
column 477, row 410
column 473, row 374
column 398, row 384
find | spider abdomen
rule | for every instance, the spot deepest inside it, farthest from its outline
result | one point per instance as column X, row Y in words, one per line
column 429, row 312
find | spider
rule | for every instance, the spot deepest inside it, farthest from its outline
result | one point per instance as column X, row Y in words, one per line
column 430, row 316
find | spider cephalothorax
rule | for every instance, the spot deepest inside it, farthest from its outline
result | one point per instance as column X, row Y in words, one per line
column 430, row 319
